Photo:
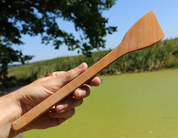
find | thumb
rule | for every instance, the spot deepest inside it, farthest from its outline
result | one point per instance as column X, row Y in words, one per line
column 66, row 77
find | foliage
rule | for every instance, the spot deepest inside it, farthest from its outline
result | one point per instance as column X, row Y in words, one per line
column 34, row 17
column 161, row 55
column 9, row 55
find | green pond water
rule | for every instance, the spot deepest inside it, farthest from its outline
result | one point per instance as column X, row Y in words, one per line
column 140, row 105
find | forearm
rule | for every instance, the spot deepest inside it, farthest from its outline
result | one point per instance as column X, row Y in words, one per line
column 9, row 112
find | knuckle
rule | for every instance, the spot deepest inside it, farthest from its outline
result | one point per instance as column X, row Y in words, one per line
column 67, row 74
column 54, row 74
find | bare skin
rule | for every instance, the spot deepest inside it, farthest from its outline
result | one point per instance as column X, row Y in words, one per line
column 15, row 104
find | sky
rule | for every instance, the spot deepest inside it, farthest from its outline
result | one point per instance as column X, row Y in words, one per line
column 123, row 15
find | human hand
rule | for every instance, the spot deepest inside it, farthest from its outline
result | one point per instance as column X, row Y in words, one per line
column 43, row 88
column 29, row 96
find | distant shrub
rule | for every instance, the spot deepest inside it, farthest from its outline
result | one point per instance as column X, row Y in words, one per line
column 162, row 55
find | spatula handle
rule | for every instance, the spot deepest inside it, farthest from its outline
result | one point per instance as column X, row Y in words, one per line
column 65, row 91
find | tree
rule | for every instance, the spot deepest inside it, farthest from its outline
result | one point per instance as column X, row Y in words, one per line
column 33, row 17
column 9, row 55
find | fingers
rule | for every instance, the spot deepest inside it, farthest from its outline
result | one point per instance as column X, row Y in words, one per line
column 95, row 81
column 74, row 100
column 65, row 77
column 82, row 92
column 65, row 109
column 68, row 104
column 66, row 115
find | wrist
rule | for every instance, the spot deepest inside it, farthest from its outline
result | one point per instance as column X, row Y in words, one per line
column 9, row 110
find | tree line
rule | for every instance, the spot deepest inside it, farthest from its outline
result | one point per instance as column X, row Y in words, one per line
column 159, row 56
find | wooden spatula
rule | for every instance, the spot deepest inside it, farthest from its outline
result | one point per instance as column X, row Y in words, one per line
column 144, row 33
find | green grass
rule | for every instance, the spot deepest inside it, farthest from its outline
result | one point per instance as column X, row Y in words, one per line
column 141, row 105
column 160, row 56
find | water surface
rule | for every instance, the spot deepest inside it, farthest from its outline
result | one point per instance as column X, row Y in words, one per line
column 142, row 105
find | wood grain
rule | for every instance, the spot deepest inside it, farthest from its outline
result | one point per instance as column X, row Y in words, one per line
column 144, row 33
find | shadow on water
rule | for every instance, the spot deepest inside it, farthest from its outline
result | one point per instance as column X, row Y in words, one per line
column 9, row 90
column 11, row 84
column 4, row 91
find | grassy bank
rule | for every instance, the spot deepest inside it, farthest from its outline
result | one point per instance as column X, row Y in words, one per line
column 140, row 105
column 162, row 55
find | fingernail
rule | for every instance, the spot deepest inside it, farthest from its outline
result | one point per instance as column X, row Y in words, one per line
column 80, row 66
column 61, row 107
column 80, row 92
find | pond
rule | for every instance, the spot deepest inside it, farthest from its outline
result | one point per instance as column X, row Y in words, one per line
column 140, row 105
